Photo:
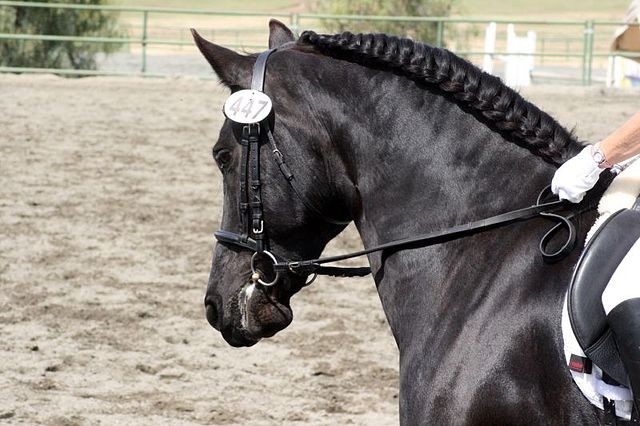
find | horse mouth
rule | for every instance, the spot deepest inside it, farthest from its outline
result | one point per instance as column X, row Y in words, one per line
column 255, row 313
column 261, row 313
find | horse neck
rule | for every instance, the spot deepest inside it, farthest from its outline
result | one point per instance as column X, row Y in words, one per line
column 424, row 164
column 473, row 317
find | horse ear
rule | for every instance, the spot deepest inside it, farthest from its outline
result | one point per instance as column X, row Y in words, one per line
column 233, row 69
column 279, row 34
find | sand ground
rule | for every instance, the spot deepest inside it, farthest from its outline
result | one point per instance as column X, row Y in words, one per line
column 108, row 200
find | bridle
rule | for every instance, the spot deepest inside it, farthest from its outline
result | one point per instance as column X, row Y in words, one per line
column 254, row 237
column 252, row 136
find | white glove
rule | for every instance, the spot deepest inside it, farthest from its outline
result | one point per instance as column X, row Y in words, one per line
column 575, row 177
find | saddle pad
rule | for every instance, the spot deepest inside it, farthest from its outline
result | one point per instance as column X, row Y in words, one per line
column 621, row 194
column 598, row 262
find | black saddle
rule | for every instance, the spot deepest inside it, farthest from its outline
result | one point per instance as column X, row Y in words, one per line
column 598, row 262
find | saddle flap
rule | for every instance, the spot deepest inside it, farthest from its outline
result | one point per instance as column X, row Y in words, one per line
column 596, row 265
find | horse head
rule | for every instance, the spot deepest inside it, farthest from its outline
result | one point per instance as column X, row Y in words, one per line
column 241, row 309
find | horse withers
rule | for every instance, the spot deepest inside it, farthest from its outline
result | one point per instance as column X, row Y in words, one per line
column 402, row 138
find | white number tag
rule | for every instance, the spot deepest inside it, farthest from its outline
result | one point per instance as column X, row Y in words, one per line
column 247, row 107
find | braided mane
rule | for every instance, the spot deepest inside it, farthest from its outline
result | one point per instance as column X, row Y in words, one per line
column 482, row 94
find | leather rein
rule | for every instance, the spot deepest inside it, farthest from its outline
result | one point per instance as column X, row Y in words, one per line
column 254, row 236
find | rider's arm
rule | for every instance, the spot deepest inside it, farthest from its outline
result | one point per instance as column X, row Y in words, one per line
column 624, row 143
column 580, row 173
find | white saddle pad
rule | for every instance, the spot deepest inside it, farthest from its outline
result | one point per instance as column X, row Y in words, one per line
column 621, row 194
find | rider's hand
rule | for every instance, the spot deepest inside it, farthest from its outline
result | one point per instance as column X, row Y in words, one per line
column 575, row 177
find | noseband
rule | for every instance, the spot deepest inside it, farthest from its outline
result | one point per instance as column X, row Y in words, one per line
column 254, row 237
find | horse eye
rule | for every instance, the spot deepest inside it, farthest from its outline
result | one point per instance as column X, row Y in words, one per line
column 222, row 157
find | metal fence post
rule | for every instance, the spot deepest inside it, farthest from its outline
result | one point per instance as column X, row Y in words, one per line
column 145, row 22
column 592, row 35
column 294, row 20
column 587, row 52
column 584, row 53
column 440, row 35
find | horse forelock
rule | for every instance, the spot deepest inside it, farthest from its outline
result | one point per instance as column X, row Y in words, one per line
column 485, row 96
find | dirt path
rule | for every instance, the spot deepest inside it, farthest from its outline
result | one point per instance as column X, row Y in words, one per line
column 108, row 197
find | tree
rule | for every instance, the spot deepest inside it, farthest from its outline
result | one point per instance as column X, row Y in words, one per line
column 422, row 31
column 56, row 21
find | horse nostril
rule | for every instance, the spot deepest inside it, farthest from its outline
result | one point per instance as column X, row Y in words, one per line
column 211, row 312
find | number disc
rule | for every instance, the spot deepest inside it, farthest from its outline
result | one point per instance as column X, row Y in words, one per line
column 247, row 106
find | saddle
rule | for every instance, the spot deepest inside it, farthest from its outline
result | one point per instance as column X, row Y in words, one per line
column 596, row 265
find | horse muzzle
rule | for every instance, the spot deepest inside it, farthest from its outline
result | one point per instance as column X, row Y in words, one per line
column 252, row 314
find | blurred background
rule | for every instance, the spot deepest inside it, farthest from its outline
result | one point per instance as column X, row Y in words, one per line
column 525, row 42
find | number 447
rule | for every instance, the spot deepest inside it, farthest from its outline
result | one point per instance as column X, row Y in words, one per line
column 248, row 108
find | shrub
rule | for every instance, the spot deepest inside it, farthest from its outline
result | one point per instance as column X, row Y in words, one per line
column 422, row 31
column 56, row 21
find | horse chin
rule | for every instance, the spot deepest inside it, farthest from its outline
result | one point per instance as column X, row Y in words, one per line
column 238, row 338
column 260, row 313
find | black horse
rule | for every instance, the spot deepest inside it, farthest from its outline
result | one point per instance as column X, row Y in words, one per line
column 403, row 138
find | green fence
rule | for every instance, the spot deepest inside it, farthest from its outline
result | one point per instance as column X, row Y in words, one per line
column 572, row 48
